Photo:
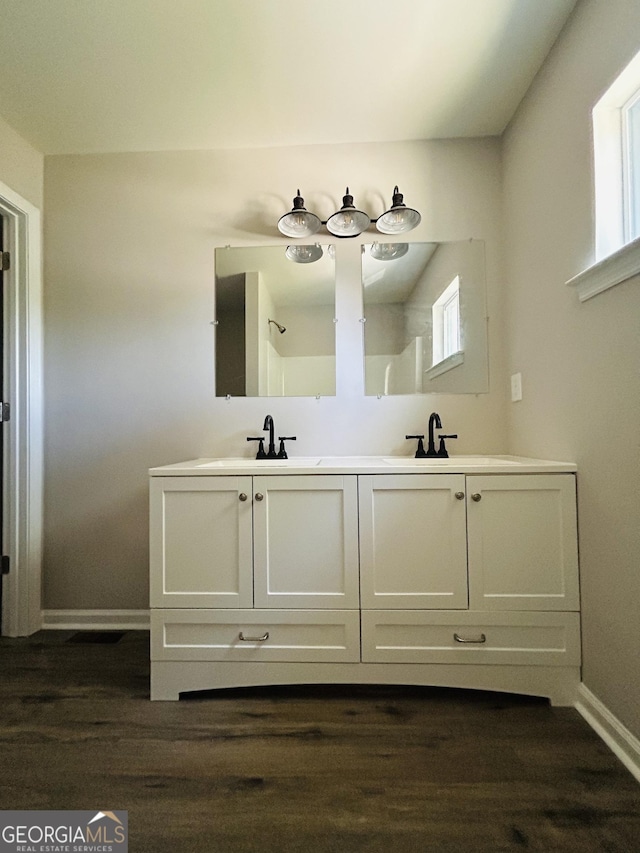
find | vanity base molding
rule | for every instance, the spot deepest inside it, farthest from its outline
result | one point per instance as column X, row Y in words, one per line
column 559, row 684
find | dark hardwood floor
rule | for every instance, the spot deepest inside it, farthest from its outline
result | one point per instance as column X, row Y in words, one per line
column 323, row 769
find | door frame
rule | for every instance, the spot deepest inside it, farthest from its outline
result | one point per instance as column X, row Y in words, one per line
column 23, row 445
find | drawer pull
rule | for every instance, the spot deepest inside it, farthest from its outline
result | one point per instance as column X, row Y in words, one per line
column 476, row 497
column 261, row 639
column 259, row 496
column 242, row 496
column 459, row 496
column 481, row 639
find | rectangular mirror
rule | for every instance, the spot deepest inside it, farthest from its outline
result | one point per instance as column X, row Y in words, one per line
column 275, row 330
column 426, row 318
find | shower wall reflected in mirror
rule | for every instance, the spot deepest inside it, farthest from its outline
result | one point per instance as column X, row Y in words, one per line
column 275, row 330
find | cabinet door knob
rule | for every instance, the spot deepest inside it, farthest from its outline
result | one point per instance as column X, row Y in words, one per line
column 459, row 496
column 242, row 496
column 476, row 497
column 259, row 496
column 481, row 639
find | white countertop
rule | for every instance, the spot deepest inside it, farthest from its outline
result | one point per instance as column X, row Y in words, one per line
column 478, row 464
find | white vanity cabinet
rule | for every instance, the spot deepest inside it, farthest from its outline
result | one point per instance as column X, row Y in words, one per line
column 522, row 533
column 201, row 542
column 435, row 545
column 289, row 542
column 413, row 542
column 459, row 576
column 305, row 534
column 253, row 569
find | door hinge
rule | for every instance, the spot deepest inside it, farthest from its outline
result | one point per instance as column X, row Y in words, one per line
column 5, row 565
column 5, row 412
column 5, row 261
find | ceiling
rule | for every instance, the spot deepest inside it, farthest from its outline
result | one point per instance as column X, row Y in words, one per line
column 286, row 282
column 83, row 76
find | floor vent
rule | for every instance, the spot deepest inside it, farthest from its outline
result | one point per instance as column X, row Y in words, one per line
column 105, row 637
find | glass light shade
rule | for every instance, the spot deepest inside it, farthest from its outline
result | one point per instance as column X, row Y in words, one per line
column 399, row 218
column 348, row 222
column 299, row 222
column 304, row 254
column 389, row 251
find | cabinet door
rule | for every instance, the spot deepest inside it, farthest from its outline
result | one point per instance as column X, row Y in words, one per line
column 413, row 549
column 306, row 542
column 201, row 530
column 522, row 542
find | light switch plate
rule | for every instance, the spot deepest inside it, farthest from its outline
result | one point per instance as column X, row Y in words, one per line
column 516, row 387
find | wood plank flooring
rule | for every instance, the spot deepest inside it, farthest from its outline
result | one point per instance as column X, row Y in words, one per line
column 316, row 770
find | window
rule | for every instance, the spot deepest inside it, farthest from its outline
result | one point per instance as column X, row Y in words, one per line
column 616, row 139
column 631, row 166
column 446, row 323
column 616, row 154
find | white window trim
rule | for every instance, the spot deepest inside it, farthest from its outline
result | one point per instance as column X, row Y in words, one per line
column 438, row 321
column 629, row 164
column 444, row 366
column 618, row 267
column 616, row 262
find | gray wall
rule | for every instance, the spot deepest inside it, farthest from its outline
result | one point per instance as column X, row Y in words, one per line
column 129, row 372
column 579, row 362
column 21, row 166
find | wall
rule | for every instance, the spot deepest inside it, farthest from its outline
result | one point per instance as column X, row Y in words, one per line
column 21, row 166
column 129, row 247
column 579, row 362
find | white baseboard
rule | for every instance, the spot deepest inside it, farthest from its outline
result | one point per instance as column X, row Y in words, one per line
column 95, row 620
column 618, row 738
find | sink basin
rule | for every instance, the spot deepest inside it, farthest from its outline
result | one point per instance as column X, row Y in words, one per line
column 243, row 462
column 452, row 461
column 350, row 462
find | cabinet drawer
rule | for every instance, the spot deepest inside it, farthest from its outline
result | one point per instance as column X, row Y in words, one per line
column 269, row 635
column 549, row 639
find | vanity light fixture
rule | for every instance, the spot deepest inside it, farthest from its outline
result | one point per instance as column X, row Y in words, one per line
column 389, row 251
column 349, row 221
column 304, row 254
column 399, row 218
column 299, row 222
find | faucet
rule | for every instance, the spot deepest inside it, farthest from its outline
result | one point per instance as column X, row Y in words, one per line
column 271, row 450
column 431, row 452
column 441, row 452
column 268, row 424
column 434, row 421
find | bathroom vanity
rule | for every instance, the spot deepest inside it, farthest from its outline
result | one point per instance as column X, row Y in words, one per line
column 458, row 572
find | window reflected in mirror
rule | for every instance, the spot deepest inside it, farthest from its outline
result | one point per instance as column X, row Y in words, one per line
column 425, row 313
column 275, row 329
